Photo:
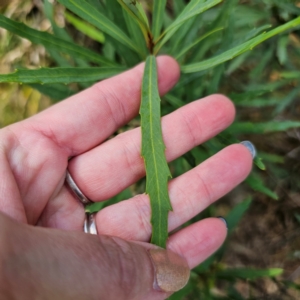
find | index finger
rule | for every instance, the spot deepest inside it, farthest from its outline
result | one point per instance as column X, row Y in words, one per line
column 85, row 120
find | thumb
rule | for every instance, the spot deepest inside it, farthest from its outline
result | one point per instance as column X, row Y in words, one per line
column 51, row 264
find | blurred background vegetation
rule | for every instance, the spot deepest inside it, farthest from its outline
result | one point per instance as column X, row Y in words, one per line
column 264, row 212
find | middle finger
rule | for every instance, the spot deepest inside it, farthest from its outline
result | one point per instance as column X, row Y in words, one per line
column 108, row 169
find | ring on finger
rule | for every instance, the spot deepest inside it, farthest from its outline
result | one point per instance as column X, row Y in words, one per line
column 76, row 190
column 89, row 225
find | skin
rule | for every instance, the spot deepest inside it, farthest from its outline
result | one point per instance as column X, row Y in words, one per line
column 44, row 253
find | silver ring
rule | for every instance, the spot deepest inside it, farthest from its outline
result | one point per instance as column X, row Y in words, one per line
column 89, row 225
column 75, row 189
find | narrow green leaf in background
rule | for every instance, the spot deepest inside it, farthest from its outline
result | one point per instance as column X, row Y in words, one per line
column 137, row 10
column 95, row 17
column 230, row 54
column 51, row 42
column 56, row 92
column 136, row 13
column 190, row 46
column 255, row 181
column 153, row 152
column 159, row 7
column 265, row 127
column 236, row 214
column 85, row 28
column 60, row 75
column 194, row 8
column 245, row 273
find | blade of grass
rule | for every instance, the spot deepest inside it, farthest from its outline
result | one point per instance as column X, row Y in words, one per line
column 88, row 13
column 159, row 7
column 194, row 8
column 153, row 152
column 49, row 41
column 230, row 54
column 60, row 75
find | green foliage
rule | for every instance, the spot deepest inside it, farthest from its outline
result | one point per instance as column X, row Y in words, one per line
column 51, row 42
column 87, row 12
column 248, row 273
column 159, row 7
column 60, row 75
column 153, row 152
column 85, row 28
column 238, row 50
column 194, row 8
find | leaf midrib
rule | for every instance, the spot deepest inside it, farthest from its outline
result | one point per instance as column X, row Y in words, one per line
column 152, row 136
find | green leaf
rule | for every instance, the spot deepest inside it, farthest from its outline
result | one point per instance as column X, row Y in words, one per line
column 290, row 75
column 236, row 214
column 97, row 206
column 265, row 127
column 250, row 274
column 153, row 152
column 256, row 183
column 136, row 34
column 190, row 46
column 158, row 17
column 194, row 8
column 136, row 13
column 51, row 42
column 58, row 31
column 95, row 17
column 56, row 92
column 230, row 54
column 60, row 75
column 85, row 28
column 259, row 163
column 137, row 10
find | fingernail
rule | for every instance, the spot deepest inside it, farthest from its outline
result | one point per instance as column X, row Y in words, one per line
column 250, row 147
column 224, row 221
column 171, row 271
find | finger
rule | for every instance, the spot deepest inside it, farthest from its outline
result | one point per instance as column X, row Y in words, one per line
column 198, row 241
column 190, row 194
column 90, row 117
column 108, row 169
column 10, row 198
column 52, row 264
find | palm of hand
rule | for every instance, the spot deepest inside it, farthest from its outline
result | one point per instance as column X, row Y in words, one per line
column 36, row 151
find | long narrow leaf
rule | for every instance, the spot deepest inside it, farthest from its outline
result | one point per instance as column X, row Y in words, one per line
column 95, row 17
column 56, row 92
column 230, row 54
column 245, row 273
column 51, row 42
column 153, row 152
column 194, row 8
column 60, row 75
column 131, row 9
column 264, row 127
column 158, row 16
column 136, row 34
column 85, row 28
column 190, row 46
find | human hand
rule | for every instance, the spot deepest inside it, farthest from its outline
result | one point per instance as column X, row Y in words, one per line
column 34, row 157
